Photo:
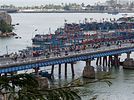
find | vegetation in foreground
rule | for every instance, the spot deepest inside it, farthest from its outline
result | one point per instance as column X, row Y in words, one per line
column 26, row 87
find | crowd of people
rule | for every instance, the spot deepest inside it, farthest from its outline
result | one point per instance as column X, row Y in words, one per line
column 15, row 56
column 61, row 51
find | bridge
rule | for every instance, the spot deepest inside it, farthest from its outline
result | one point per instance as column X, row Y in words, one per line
column 7, row 65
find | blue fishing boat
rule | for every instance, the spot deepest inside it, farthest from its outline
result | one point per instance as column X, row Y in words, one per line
column 45, row 74
column 73, row 37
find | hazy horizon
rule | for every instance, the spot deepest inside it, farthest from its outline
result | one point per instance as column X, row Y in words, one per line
column 43, row 2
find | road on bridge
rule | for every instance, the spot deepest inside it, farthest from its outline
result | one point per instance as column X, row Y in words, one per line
column 9, row 61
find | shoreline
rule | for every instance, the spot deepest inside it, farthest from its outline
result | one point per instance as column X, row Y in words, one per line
column 9, row 34
column 92, row 11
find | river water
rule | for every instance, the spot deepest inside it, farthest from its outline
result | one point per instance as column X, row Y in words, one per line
column 122, row 87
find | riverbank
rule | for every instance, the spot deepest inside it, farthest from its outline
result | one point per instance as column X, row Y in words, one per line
column 9, row 34
column 73, row 11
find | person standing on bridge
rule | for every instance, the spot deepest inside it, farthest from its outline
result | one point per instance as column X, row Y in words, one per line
column 15, row 56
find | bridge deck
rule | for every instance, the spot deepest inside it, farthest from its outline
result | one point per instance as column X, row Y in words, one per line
column 8, row 65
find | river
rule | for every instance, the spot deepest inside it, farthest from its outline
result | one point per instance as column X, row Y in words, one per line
column 122, row 87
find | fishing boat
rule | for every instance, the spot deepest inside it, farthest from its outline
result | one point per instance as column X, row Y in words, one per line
column 45, row 74
column 17, row 37
column 72, row 36
column 128, row 20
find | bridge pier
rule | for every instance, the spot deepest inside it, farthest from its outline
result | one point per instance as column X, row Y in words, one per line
column 128, row 55
column 98, row 62
column 105, row 60
column 65, row 70
column 129, row 62
column 52, row 70
column 5, row 74
column 72, row 68
column 88, row 71
column 36, row 70
column 11, row 73
column 110, row 60
column 59, row 70
column 116, row 60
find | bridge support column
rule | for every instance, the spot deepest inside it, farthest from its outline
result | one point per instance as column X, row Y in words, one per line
column 5, row 74
column 105, row 60
column 98, row 62
column 11, row 73
column 88, row 71
column 116, row 60
column 110, row 60
column 128, row 55
column 52, row 70
column 59, row 70
column 36, row 70
column 88, row 62
column 72, row 68
column 129, row 62
column 65, row 70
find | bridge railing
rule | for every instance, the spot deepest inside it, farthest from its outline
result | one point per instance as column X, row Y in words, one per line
column 73, row 53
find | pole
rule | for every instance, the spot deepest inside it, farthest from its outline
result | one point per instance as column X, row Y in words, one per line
column 65, row 70
column 59, row 70
column 33, row 32
column 72, row 68
column 7, row 49
column 52, row 70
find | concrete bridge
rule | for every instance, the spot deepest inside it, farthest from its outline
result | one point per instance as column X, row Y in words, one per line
column 108, row 53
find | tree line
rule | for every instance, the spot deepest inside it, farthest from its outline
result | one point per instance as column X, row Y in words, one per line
column 4, row 27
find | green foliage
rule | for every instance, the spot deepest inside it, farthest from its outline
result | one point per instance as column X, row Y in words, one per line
column 64, row 93
column 4, row 27
column 26, row 87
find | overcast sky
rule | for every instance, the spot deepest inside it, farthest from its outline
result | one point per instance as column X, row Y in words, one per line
column 39, row 2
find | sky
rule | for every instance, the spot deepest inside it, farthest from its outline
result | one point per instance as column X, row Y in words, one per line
column 39, row 2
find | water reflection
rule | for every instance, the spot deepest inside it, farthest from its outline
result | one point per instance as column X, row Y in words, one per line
column 121, row 88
